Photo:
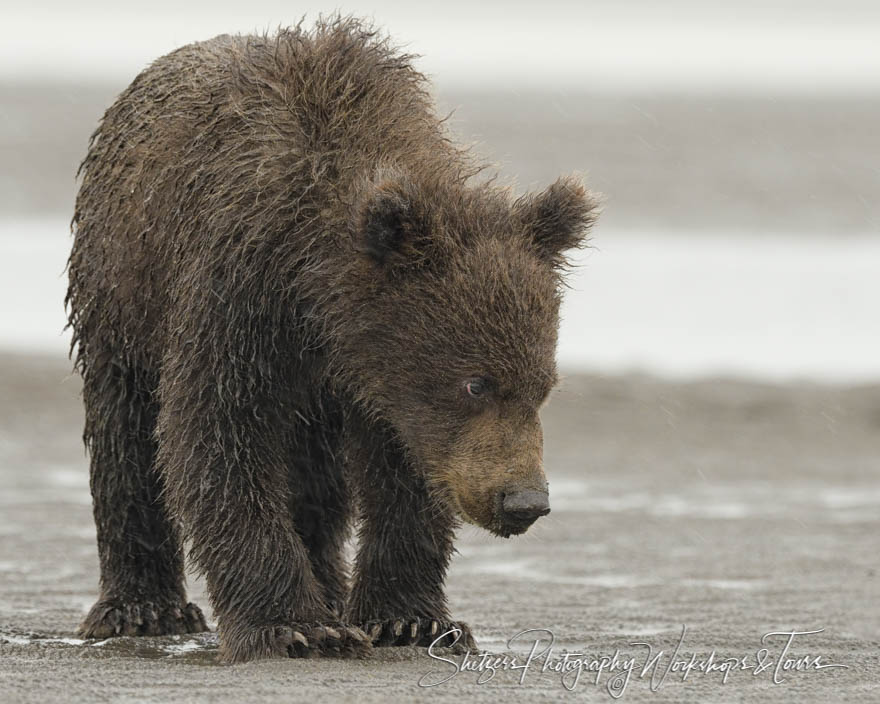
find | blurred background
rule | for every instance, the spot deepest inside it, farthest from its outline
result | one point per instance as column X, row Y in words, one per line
column 737, row 145
column 714, row 449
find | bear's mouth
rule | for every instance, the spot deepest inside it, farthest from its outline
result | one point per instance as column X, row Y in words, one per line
column 492, row 527
column 501, row 528
column 509, row 528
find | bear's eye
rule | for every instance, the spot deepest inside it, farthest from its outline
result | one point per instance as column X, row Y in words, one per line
column 476, row 387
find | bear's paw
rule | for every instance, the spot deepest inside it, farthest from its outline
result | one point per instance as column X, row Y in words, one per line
column 421, row 632
column 117, row 617
column 302, row 640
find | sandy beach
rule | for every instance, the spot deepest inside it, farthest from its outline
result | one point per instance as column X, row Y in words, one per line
column 727, row 508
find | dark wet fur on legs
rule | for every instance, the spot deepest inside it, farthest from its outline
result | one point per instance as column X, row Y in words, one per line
column 320, row 499
column 283, row 273
column 397, row 597
column 142, row 590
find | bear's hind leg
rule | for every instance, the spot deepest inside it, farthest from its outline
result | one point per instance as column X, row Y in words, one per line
column 142, row 581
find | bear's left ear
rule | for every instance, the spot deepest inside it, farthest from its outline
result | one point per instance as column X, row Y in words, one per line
column 558, row 218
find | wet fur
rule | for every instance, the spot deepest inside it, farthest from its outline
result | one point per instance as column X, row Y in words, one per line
column 269, row 236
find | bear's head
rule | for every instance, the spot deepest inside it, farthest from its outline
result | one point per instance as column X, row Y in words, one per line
column 457, row 332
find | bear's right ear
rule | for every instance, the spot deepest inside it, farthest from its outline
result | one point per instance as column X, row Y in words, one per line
column 559, row 218
column 391, row 226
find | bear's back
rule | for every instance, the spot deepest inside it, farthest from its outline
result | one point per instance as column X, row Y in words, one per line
column 228, row 145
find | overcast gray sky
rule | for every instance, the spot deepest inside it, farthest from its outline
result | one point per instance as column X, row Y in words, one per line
column 751, row 44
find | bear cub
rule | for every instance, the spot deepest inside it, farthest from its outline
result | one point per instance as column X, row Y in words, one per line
column 293, row 304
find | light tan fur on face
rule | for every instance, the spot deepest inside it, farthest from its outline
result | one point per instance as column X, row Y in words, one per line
column 497, row 452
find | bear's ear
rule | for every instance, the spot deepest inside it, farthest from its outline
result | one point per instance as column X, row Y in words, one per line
column 558, row 218
column 391, row 226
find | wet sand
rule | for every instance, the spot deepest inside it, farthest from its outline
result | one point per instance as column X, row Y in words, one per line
column 731, row 508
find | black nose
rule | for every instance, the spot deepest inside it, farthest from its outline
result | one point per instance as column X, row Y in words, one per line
column 526, row 505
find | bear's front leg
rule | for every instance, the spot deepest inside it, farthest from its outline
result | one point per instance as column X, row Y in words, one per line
column 405, row 541
column 222, row 451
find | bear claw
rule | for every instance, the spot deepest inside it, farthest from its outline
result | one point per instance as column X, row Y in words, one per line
column 337, row 640
column 114, row 617
column 420, row 632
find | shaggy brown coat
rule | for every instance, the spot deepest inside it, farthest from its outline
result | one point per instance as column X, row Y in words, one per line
column 283, row 285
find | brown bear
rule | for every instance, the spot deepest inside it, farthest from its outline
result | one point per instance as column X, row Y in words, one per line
column 291, row 296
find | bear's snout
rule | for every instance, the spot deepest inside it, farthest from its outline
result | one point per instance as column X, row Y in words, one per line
column 519, row 508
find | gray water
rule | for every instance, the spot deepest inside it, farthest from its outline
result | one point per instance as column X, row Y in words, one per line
column 701, row 163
